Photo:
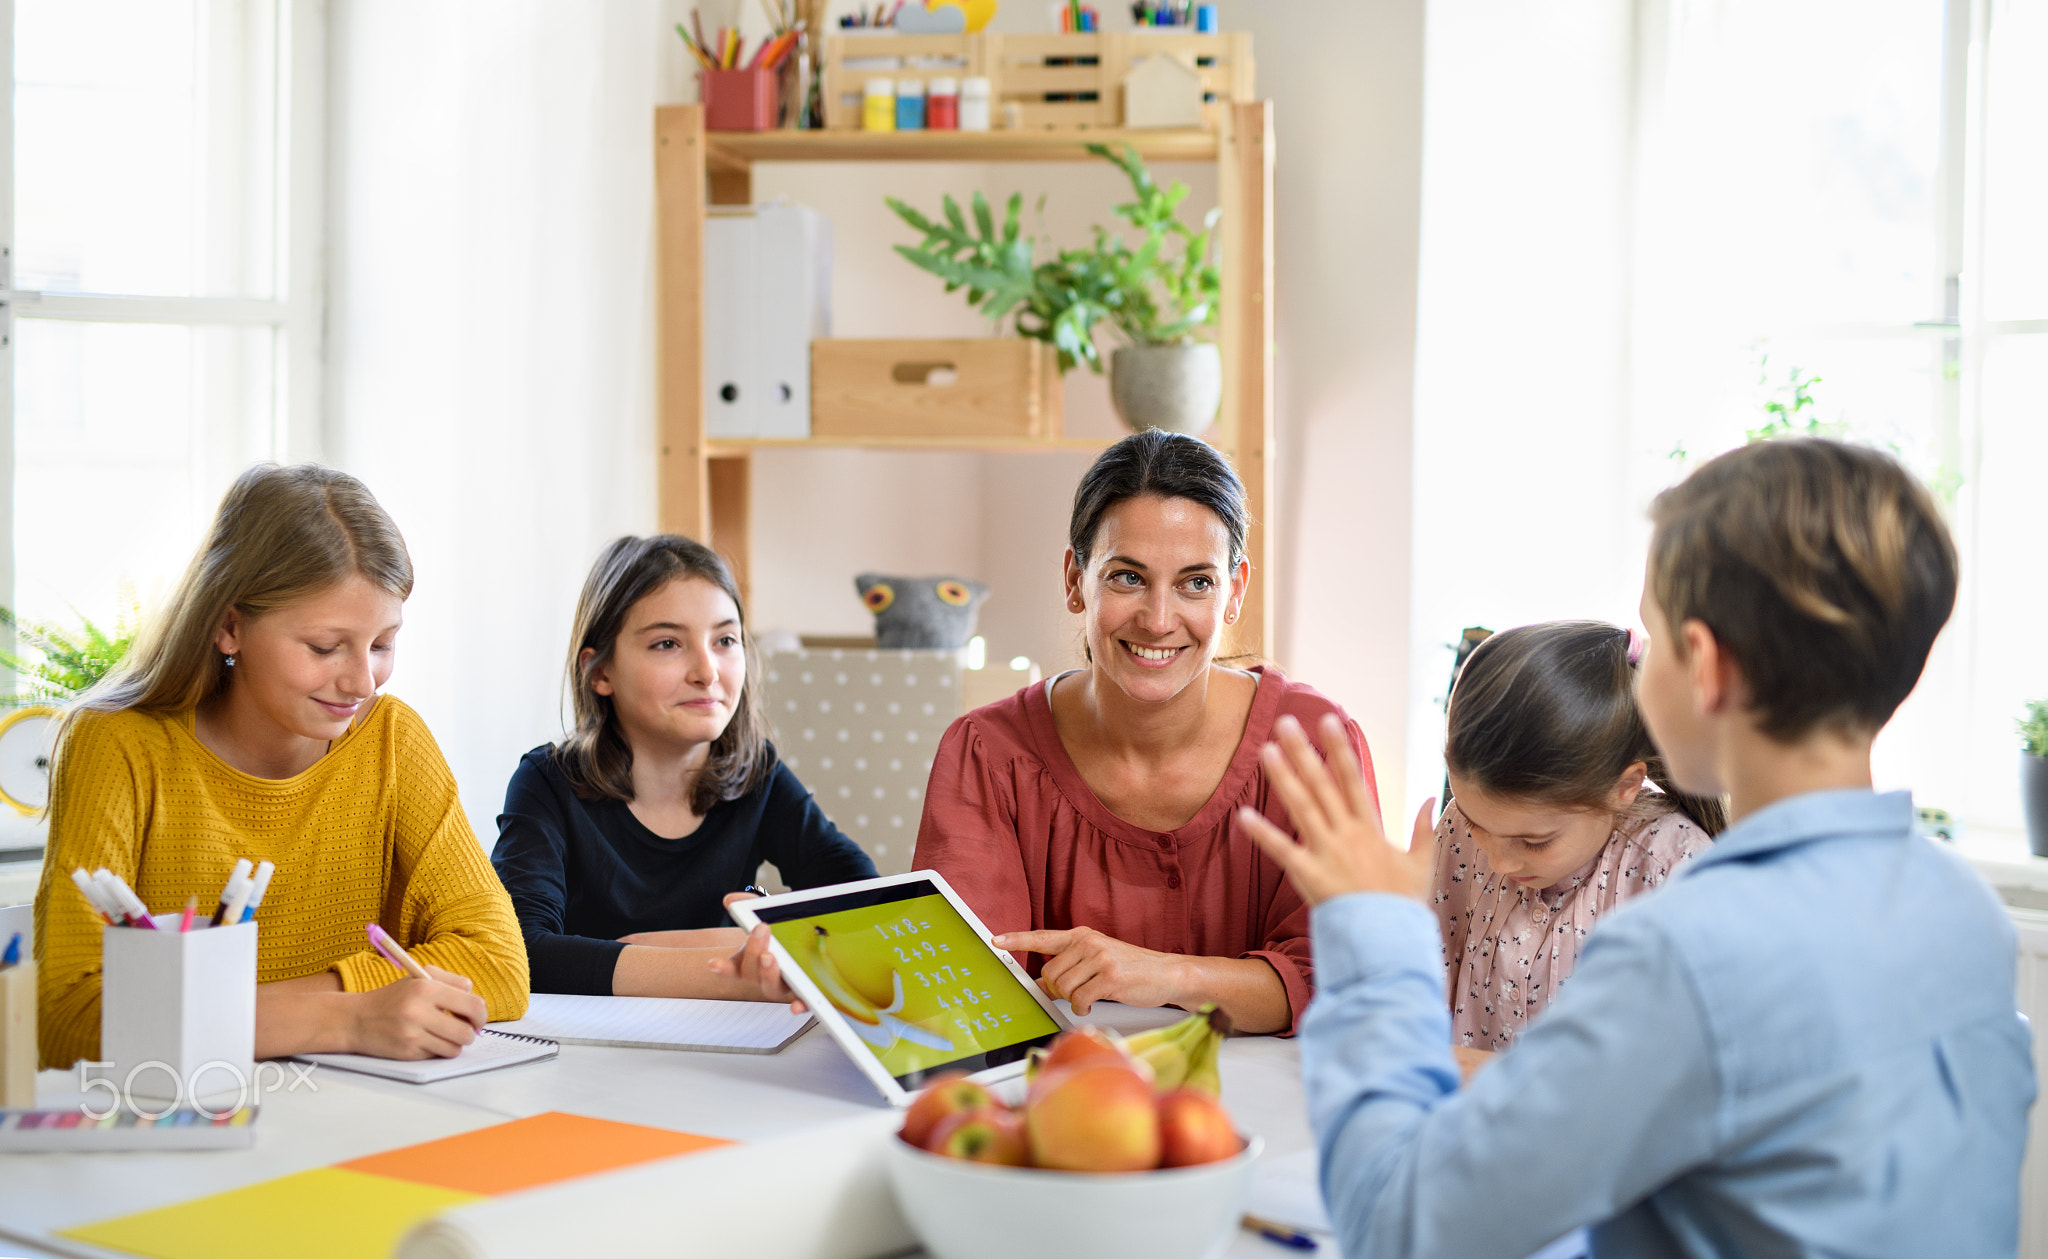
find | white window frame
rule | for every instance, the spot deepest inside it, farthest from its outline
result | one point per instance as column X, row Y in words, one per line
column 297, row 429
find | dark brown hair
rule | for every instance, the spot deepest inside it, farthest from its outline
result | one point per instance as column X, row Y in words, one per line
column 1823, row 569
column 595, row 757
column 1158, row 464
column 1547, row 713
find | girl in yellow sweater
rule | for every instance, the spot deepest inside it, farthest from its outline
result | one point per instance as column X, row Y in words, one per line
column 247, row 723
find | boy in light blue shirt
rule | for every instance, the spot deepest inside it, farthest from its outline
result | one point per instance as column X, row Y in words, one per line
column 1805, row 1044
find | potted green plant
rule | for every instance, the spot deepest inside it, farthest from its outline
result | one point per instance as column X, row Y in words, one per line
column 69, row 660
column 1159, row 295
column 2034, row 775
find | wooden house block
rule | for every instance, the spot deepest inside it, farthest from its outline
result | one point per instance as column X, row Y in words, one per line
column 1161, row 90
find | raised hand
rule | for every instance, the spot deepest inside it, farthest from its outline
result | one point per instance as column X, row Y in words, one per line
column 1340, row 846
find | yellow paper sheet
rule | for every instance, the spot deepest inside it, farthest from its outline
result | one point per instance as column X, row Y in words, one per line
column 327, row 1213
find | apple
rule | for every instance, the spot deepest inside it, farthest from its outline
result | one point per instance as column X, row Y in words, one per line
column 1194, row 1128
column 1097, row 1116
column 986, row 1134
column 947, row 1095
column 1081, row 1045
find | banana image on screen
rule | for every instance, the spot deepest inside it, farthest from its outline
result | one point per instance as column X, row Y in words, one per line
column 867, row 990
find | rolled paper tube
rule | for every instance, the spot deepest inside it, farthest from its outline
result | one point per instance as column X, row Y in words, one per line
column 819, row 1194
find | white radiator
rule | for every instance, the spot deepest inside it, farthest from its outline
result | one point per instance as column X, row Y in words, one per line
column 2033, row 1002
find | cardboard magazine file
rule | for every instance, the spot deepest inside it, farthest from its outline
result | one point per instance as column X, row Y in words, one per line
column 178, row 1011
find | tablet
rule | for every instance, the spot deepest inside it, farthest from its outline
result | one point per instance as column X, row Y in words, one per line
column 902, row 975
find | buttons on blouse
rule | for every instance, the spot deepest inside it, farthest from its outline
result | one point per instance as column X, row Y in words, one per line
column 1173, row 880
column 1164, row 841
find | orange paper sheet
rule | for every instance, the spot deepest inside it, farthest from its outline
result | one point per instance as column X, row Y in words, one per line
column 528, row 1152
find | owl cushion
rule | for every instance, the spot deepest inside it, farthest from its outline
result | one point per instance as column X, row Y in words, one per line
column 921, row 612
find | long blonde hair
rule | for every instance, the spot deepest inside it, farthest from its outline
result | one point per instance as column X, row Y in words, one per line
column 281, row 535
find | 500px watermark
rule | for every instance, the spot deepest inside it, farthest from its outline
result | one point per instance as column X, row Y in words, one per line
column 230, row 1087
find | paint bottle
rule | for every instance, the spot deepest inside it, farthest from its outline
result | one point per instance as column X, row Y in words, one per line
column 910, row 104
column 878, row 106
column 942, row 107
column 974, row 102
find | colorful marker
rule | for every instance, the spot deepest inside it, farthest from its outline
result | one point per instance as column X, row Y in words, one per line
column 13, row 955
column 237, row 879
column 116, row 889
column 393, row 954
column 191, row 908
column 257, row 889
column 91, row 892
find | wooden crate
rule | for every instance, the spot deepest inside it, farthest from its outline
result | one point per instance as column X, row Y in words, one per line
column 989, row 388
column 1057, row 81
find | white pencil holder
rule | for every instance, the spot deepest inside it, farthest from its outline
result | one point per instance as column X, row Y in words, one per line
column 178, row 1011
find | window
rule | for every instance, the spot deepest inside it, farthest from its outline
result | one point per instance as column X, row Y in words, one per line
column 161, row 329
column 1851, row 196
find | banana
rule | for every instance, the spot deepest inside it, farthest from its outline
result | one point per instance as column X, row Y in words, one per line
column 1170, row 1050
column 1202, row 1073
column 840, row 993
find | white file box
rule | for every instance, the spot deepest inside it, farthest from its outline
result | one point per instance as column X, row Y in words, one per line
column 178, row 1010
column 767, row 296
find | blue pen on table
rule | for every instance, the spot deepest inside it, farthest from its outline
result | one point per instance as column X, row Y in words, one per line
column 1274, row 1231
column 257, row 889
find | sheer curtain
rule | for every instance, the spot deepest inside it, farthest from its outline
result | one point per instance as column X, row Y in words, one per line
column 491, row 332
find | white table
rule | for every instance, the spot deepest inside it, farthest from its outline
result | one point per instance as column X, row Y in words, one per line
column 745, row 1097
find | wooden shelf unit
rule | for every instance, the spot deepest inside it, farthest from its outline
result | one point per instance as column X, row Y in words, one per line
column 704, row 484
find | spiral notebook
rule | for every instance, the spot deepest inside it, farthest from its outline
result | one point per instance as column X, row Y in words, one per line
column 732, row 1027
column 490, row 1050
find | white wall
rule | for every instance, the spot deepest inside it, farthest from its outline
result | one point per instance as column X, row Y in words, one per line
column 1521, row 435
column 490, row 332
column 491, row 363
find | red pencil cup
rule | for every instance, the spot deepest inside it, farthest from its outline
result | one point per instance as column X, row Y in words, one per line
column 740, row 100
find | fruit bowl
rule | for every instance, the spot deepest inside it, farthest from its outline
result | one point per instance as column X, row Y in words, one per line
column 965, row 1210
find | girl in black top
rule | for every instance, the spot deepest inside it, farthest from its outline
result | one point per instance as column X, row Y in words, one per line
column 622, row 845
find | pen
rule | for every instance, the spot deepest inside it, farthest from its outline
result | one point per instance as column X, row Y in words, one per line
column 1273, row 1231
column 90, row 891
column 13, row 955
column 240, row 874
column 257, row 889
column 191, row 908
column 393, row 953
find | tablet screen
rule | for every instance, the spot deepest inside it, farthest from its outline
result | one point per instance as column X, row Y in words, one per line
column 913, row 980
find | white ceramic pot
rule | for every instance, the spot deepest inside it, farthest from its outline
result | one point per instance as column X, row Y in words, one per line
column 965, row 1210
column 1174, row 387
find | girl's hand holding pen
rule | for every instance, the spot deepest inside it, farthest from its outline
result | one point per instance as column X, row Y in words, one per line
column 432, row 1017
column 1341, row 845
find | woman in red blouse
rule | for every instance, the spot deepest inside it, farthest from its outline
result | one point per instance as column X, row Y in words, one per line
column 1088, row 819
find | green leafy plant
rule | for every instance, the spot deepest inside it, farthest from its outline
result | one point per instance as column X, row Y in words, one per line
column 1163, row 291
column 67, row 660
column 2034, row 729
column 1790, row 409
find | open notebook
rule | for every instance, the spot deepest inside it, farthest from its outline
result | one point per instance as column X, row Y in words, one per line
column 492, row 1048
column 738, row 1027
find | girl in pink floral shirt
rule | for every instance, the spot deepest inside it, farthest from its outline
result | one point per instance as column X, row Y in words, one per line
column 1558, row 814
